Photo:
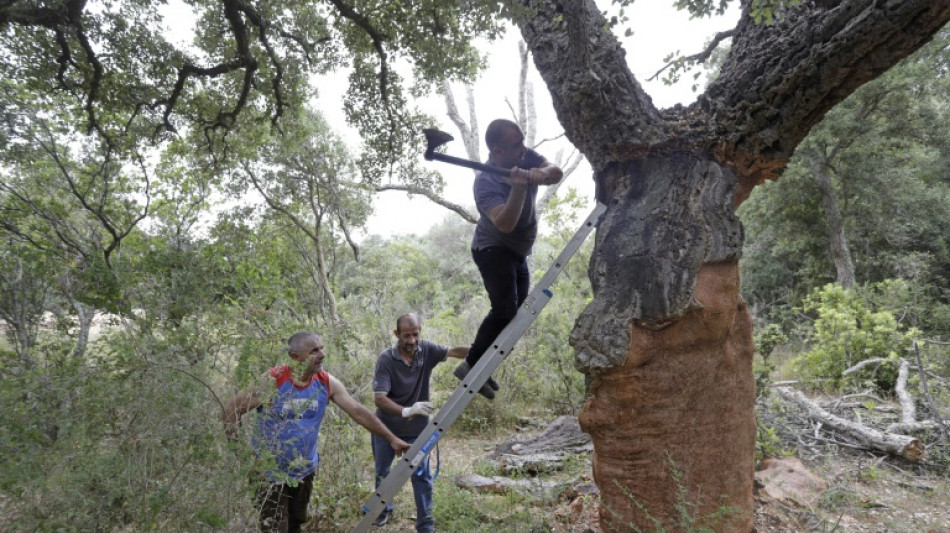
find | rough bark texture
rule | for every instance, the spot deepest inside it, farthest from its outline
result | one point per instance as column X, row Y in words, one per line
column 666, row 340
column 671, row 215
column 679, row 403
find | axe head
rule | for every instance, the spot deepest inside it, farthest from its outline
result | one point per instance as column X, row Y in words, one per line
column 434, row 139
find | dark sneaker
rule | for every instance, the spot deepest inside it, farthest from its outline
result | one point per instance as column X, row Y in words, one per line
column 382, row 519
column 462, row 370
column 487, row 390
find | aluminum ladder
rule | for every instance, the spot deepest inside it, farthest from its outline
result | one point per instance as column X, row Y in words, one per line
column 465, row 393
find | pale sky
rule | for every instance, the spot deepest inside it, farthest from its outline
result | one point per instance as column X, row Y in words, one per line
column 659, row 30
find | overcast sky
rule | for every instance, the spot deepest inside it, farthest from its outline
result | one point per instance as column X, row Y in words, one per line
column 658, row 29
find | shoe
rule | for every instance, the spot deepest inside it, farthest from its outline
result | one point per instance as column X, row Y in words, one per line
column 382, row 519
column 487, row 390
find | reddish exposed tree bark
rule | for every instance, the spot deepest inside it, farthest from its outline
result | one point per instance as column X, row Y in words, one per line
column 666, row 340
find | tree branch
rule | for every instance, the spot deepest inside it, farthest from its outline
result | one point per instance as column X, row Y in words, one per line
column 702, row 56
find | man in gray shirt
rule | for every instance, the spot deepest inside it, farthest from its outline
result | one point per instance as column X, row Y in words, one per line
column 505, row 232
column 401, row 388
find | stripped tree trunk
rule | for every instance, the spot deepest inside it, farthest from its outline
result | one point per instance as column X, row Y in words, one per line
column 667, row 340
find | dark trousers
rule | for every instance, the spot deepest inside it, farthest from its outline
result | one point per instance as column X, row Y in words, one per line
column 283, row 509
column 506, row 278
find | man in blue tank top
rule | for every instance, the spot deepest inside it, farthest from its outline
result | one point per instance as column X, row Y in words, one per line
column 401, row 386
column 290, row 401
column 505, row 232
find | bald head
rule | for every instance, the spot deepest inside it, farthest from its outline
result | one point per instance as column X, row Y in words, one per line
column 497, row 130
column 407, row 321
column 300, row 341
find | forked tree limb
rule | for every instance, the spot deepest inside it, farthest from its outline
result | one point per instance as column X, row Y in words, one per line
column 904, row 446
column 458, row 209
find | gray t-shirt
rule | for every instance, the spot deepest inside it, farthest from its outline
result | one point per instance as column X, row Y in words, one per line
column 492, row 190
column 407, row 384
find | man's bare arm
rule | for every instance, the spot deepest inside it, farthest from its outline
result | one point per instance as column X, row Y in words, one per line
column 458, row 352
column 363, row 416
column 387, row 405
column 242, row 402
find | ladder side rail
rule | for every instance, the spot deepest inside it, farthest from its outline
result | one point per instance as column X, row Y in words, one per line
column 539, row 297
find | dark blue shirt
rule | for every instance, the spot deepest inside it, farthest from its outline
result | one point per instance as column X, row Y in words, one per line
column 492, row 190
column 407, row 384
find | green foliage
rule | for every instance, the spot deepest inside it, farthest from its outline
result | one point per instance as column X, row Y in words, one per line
column 768, row 443
column 128, row 79
column 848, row 328
column 886, row 154
column 113, row 442
column 766, row 339
column 703, row 8
column 768, row 11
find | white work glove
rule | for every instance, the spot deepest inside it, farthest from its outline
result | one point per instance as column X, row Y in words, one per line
column 418, row 409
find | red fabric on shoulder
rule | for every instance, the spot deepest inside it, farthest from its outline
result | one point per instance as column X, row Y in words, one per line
column 324, row 377
column 281, row 374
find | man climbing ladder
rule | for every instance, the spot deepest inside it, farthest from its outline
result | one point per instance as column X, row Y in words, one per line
column 475, row 379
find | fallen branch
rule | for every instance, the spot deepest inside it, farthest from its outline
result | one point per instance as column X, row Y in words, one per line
column 862, row 364
column 907, row 447
column 911, row 427
column 908, row 410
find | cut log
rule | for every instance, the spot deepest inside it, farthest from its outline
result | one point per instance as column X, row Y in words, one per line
column 545, row 452
column 563, row 435
column 902, row 445
column 536, row 463
column 532, row 488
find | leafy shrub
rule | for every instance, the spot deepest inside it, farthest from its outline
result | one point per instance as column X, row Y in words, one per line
column 766, row 339
column 849, row 328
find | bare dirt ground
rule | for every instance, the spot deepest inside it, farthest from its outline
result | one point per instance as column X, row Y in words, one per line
column 864, row 494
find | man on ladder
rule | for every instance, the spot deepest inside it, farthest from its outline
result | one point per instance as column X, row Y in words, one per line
column 476, row 378
column 505, row 232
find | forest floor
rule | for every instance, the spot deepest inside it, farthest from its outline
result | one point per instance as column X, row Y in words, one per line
column 862, row 492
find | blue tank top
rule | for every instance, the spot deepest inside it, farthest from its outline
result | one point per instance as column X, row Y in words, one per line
column 289, row 426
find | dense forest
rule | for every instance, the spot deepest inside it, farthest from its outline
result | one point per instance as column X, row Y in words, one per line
column 156, row 252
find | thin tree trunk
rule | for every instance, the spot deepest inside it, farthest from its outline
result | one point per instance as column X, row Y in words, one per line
column 85, row 315
column 837, row 241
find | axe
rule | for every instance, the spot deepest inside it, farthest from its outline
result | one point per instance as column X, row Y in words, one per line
column 436, row 138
